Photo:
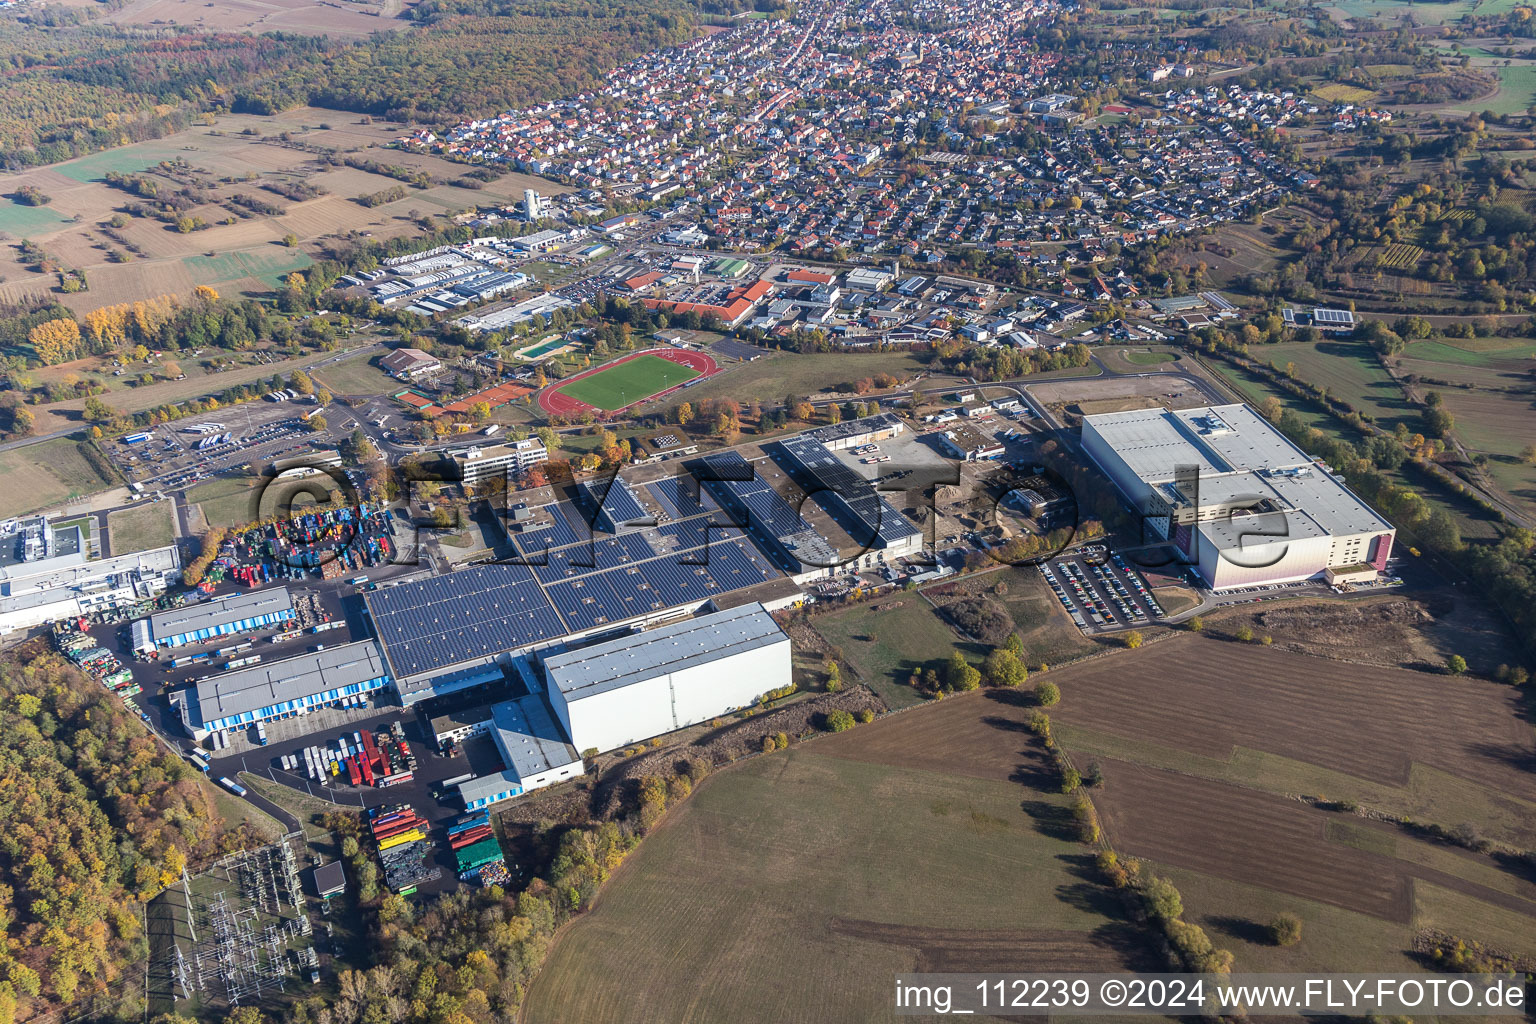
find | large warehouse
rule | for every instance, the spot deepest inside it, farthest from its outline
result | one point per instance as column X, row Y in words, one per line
column 655, row 682
column 282, row 689
column 1242, row 502
column 194, row 623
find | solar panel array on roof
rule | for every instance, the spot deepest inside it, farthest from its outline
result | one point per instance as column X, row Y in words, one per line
column 681, row 496
column 619, row 504
column 595, row 598
column 470, row 614
column 606, row 552
column 480, row 613
column 869, row 519
column 1333, row 316
column 754, row 504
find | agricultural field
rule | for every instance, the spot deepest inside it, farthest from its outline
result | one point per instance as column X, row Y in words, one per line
column 921, row 842
column 1391, row 10
column 1336, row 92
column 144, row 256
column 68, row 414
column 37, row 476
column 1401, row 256
column 1350, row 371
column 1219, row 738
column 355, row 18
column 139, row 529
column 1489, row 390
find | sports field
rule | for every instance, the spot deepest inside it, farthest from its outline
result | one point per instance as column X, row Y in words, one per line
column 628, row 381
column 617, row 387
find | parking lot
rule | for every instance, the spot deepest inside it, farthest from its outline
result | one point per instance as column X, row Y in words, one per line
column 255, row 431
column 1101, row 591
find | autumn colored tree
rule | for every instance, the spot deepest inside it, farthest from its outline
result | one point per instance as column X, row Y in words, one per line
column 55, row 341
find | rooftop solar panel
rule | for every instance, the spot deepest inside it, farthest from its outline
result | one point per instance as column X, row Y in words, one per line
column 462, row 616
column 868, row 517
column 618, row 504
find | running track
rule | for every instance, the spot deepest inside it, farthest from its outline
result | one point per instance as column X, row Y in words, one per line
column 553, row 402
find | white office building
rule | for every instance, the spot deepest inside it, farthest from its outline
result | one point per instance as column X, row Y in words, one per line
column 1236, row 497
column 479, row 464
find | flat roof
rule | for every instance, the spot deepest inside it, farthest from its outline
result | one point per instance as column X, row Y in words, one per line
column 828, row 477
column 1239, row 453
column 863, row 425
column 263, row 685
column 671, row 648
column 465, row 615
column 528, row 737
column 208, row 614
column 330, row 878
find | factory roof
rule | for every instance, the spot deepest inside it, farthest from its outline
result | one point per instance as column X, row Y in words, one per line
column 1239, row 455
column 262, row 686
column 863, row 425
column 208, row 614
column 526, row 735
column 463, row 616
column 833, row 482
column 672, row 648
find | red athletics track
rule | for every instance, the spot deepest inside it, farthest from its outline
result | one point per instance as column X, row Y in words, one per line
column 557, row 404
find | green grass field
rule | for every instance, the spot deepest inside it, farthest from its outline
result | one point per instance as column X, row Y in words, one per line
column 885, row 647
column 1423, row 13
column 1471, row 351
column 1517, row 91
column 20, row 221
column 39, row 475
column 796, row 887
column 140, row 529
column 128, row 160
column 627, row 383
column 1149, row 358
column 226, row 501
column 1350, row 371
column 356, row 376
column 269, row 267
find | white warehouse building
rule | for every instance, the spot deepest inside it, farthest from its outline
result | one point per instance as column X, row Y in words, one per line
column 664, row 679
column 1236, row 497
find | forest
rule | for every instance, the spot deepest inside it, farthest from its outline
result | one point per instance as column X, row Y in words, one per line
column 99, row 818
column 73, row 89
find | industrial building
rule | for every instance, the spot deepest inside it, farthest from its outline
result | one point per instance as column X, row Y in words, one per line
column 282, row 689
column 859, row 432
column 448, row 633
column 778, row 529
column 533, row 747
column 666, row 678
column 874, row 523
column 194, row 623
column 1236, row 497
column 46, row 576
